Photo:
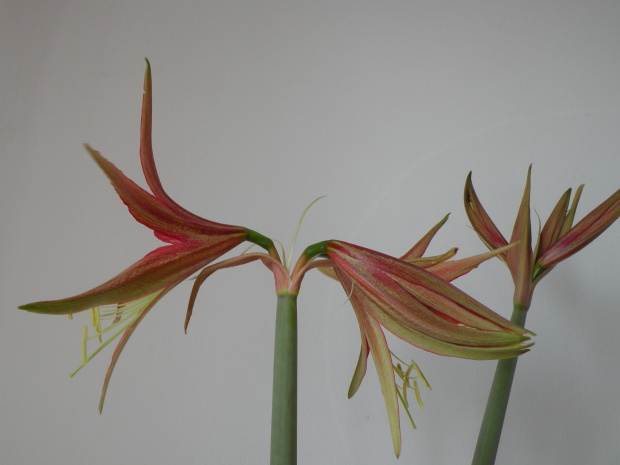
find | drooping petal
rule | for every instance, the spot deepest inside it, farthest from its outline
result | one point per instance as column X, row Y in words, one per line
column 123, row 342
column 162, row 268
column 208, row 271
column 360, row 368
column 417, row 338
column 584, row 232
column 383, row 363
column 375, row 273
column 480, row 220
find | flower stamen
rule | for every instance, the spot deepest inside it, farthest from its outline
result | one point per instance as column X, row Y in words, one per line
column 123, row 315
column 409, row 381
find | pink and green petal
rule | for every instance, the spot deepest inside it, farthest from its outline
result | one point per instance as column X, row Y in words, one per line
column 480, row 220
column 427, row 262
column 413, row 336
column 208, row 271
column 520, row 258
column 149, row 210
column 374, row 272
column 360, row 368
column 552, row 230
column 162, row 268
column 452, row 269
column 584, row 232
column 148, row 161
column 570, row 215
column 383, row 363
column 420, row 247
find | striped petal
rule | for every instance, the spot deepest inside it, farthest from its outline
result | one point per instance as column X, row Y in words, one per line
column 584, row 232
column 162, row 268
column 480, row 220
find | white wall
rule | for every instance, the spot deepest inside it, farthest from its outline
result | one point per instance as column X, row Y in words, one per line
column 260, row 107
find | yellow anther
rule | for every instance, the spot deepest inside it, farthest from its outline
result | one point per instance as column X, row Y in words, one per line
column 97, row 322
column 84, row 337
column 416, row 389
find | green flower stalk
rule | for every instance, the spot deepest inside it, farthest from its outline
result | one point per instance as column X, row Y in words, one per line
column 557, row 240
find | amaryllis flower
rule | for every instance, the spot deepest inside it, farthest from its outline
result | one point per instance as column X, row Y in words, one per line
column 557, row 240
column 194, row 242
column 419, row 306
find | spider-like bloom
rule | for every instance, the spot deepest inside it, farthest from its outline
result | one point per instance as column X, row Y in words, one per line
column 194, row 242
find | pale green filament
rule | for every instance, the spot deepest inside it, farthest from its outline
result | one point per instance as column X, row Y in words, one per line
column 409, row 381
column 290, row 251
column 122, row 315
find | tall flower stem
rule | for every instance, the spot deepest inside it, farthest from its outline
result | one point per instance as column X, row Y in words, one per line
column 284, row 401
column 495, row 412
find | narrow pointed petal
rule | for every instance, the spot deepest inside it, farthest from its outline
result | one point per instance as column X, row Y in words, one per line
column 383, row 363
column 480, row 220
column 161, row 268
column 148, row 161
column 520, row 258
column 452, row 269
column 570, row 215
column 430, row 344
column 584, row 232
column 208, row 271
column 554, row 225
column 121, row 345
column 428, row 262
column 420, row 247
column 360, row 368
column 152, row 212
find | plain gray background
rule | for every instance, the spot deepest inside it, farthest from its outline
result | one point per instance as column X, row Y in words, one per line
column 260, row 107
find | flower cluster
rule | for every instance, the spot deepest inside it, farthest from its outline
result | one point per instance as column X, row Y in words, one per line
column 411, row 296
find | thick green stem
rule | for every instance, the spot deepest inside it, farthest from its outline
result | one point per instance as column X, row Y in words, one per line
column 284, row 401
column 493, row 420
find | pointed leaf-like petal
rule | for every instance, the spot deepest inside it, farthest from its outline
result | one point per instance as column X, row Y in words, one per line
column 164, row 267
column 520, row 258
column 420, row 247
column 428, row 262
column 570, row 215
column 552, row 229
column 383, row 363
column 452, row 269
column 148, row 161
column 584, row 232
column 208, row 271
column 480, row 220
column 167, row 224
column 430, row 344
